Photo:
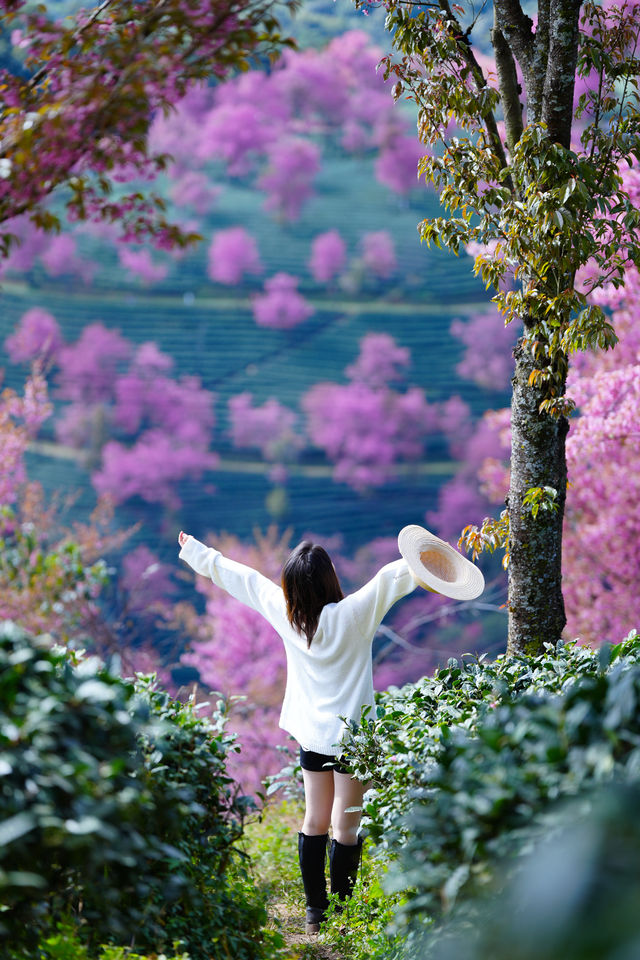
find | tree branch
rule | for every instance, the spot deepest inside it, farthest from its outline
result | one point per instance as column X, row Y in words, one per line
column 465, row 50
column 559, row 81
column 517, row 29
column 535, row 81
column 509, row 87
column 95, row 15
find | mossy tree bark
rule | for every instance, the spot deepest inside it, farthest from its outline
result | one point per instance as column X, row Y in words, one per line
column 536, row 605
column 538, row 459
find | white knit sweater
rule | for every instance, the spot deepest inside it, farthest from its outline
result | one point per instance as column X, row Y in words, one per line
column 333, row 678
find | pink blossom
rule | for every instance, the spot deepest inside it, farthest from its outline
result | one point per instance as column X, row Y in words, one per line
column 37, row 336
column 237, row 133
column 150, row 468
column 479, row 482
column 60, row 258
column 271, row 428
column 149, row 359
column 328, row 252
column 460, row 502
column 378, row 254
column 146, row 580
column 33, row 242
column 380, row 360
column 281, row 305
column 602, row 529
column 232, row 254
column 140, row 264
column 397, row 164
column 312, row 86
column 365, row 427
column 82, row 426
column 292, row 166
column 180, row 407
column 365, row 431
column 194, row 189
column 121, row 393
column 20, row 419
column 88, row 369
column 456, row 422
column 488, row 359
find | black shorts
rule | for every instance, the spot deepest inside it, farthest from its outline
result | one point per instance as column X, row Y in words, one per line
column 320, row 762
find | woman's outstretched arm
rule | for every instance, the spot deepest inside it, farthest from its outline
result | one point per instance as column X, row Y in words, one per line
column 370, row 603
column 242, row 582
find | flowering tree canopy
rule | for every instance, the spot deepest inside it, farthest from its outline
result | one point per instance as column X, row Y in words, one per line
column 139, row 426
column 281, row 306
column 77, row 115
column 232, row 253
column 365, row 427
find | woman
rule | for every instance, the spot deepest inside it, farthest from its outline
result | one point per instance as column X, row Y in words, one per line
column 327, row 640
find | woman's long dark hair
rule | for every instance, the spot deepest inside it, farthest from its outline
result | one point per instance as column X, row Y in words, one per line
column 309, row 581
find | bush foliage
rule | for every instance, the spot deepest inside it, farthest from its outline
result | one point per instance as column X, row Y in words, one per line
column 116, row 810
column 468, row 765
column 575, row 896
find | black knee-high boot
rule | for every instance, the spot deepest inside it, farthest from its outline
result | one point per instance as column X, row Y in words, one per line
column 312, row 853
column 343, row 867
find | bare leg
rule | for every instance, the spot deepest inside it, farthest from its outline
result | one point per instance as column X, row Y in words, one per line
column 318, row 798
column 347, row 793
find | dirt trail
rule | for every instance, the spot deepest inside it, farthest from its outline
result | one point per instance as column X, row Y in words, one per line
column 290, row 923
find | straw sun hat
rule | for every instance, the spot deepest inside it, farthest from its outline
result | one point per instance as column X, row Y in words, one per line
column 437, row 566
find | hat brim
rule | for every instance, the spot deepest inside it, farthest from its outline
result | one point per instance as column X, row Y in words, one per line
column 437, row 566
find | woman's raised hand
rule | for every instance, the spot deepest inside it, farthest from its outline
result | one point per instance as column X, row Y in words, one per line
column 182, row 538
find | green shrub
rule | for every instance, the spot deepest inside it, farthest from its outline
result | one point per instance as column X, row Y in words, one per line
column 65, row 944
column 74, row 812
column 115, row 809
column 216, row 910
column 574, row 897
column 469, row 763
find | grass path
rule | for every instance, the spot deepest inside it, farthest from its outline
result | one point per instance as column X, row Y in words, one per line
column 289, row 920
column 272, row 844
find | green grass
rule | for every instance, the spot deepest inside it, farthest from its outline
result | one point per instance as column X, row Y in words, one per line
column 358, row 932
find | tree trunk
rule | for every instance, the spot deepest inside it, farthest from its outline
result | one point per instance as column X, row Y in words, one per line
column 536, row 606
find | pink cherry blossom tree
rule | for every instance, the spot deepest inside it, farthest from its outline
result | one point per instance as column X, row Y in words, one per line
column 489, row 343
column 328, row 255
column 378, row 254
column 37, row 337
column 292, row 163
column 140, row 429
column 397, row 164
column 366, row 427
column 281, row 306
column 140, row 264
column 171, row 423
column 232, row 254
column 50, row 575
column 20, row 420
column 81, row 110
column 270, row 428
column 88, row 368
